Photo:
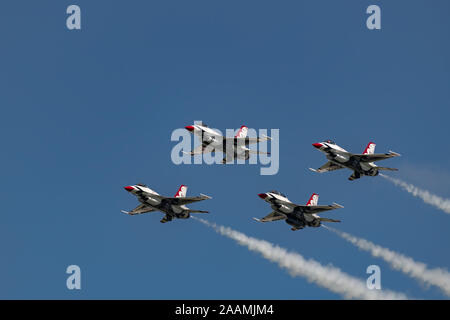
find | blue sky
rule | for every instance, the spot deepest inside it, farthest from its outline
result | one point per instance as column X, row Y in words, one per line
column 87, row 112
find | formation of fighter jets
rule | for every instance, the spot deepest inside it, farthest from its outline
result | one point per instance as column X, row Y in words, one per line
column 297, row 216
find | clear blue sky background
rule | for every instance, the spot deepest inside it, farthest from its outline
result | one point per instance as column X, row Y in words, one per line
column 87, row 112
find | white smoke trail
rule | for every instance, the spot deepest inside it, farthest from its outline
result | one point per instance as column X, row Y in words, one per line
column 417, row 270
column 328, row 277
column 426, row 196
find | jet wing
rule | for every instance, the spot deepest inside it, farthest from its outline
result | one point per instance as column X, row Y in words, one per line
column 310, row 209
column 200, row 150
column 329, row 166
column 273, row 216
column 142, row 208
column 186, row 200
column 317, row 209
column 247, row 141
column 375, row 157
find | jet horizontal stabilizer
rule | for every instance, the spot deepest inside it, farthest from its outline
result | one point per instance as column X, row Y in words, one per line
column 387, row 169
column 328, row 220
column 198, row 211
column 394, row 153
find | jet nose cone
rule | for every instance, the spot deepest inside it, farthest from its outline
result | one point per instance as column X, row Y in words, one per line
column 189, row 128
column 129, row 188
column 262, row 195
column 317, row 145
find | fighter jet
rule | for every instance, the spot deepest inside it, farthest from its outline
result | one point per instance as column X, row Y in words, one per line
column 172, row 207
column 298, row 216
column 236, row 147
column 361, row 164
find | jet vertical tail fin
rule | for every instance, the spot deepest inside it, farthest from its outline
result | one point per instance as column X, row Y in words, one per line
column 370, row 149
column 242, row 133
column 313, row 200
column 181, row 193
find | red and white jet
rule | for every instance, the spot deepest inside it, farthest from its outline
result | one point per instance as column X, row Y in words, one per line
column 298, row 216
column 361, row 164
column 172, row 207
column 236, row 147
